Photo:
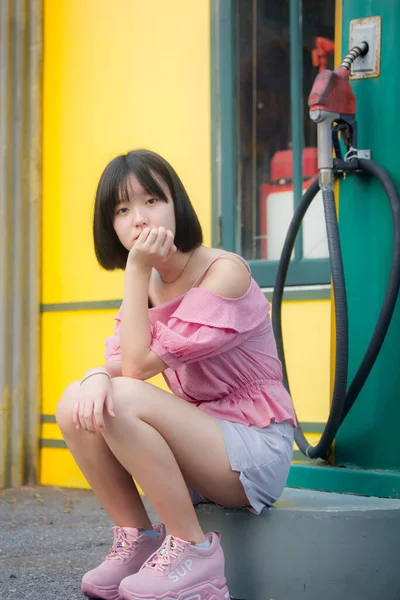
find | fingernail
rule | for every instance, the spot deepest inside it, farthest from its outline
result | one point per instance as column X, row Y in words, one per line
column 77, row 426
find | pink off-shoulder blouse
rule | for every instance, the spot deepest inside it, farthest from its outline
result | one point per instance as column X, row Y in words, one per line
column 221, row 355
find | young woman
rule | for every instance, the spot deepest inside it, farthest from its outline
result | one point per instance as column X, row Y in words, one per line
column 224, row 434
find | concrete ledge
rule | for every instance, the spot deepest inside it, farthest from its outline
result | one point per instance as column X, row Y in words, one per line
column 311, row 545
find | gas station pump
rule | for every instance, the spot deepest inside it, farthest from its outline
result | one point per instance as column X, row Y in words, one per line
column 333, row 107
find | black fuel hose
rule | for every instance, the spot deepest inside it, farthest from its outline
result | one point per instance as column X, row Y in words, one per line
column 343, row 398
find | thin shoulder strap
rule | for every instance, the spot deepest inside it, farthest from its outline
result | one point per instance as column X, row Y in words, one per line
column 199, row 279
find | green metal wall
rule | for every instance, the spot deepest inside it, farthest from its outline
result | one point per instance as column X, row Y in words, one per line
column 369, row 437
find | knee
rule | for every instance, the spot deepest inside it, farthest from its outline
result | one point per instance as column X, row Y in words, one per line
column 65, row 407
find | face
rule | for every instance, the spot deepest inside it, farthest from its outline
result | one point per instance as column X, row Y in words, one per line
column 141, row 210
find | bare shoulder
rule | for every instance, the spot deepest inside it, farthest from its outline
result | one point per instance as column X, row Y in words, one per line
column 228, row 277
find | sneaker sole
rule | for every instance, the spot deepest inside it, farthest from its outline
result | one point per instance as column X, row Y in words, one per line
column 104, row 593
column 217, row 590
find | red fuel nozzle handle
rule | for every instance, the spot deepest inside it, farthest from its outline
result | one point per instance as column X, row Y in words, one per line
column 332, row 93
column 331, row 100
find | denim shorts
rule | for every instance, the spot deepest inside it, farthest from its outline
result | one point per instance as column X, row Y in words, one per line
column 262, row 456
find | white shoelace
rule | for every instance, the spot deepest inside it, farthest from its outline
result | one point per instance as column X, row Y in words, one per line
column 122, row 545
column 163, row 557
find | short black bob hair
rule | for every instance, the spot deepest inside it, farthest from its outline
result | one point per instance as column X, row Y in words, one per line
column 146, row 166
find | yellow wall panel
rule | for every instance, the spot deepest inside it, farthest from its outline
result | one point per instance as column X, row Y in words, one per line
column 112, row 83
column 72, row 343
column 50, row 431
column 306, row 331
column 59, row 468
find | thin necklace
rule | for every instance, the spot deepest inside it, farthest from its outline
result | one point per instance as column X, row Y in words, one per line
column 181, row 273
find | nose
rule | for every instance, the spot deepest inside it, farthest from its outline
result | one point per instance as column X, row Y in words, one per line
column 139, row 216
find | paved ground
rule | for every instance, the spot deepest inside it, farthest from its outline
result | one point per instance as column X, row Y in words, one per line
column 49, row 537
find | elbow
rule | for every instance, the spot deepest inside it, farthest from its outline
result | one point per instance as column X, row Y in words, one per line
column 134, row 371
column 143, row 368
column 131, row 366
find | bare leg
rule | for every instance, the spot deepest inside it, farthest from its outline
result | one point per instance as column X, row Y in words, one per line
column 163, row 441
column 159, row 476
column 111, row 483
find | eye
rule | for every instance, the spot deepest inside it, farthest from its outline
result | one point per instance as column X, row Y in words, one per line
column 122, row 211
column 151, row 201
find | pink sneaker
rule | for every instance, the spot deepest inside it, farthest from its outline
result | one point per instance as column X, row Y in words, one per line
column 128, row 553
column 180, row 571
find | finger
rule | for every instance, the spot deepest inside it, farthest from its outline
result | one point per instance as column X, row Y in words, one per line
column 162, row 233
column 168, row 240
column 81, row 414
column 110, row 405
column 143, row 236
column 159, row 241
column 165, row 249
column 151, row 238
column 145, row 232
column 88, row 415
column 75, row 410
column 98, row 413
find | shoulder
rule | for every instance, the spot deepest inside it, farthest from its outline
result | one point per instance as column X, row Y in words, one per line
column 228, row 276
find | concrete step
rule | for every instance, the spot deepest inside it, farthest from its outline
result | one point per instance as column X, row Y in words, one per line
column 311, row 546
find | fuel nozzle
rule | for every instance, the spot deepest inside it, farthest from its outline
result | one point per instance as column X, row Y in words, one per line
column 332, row 101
